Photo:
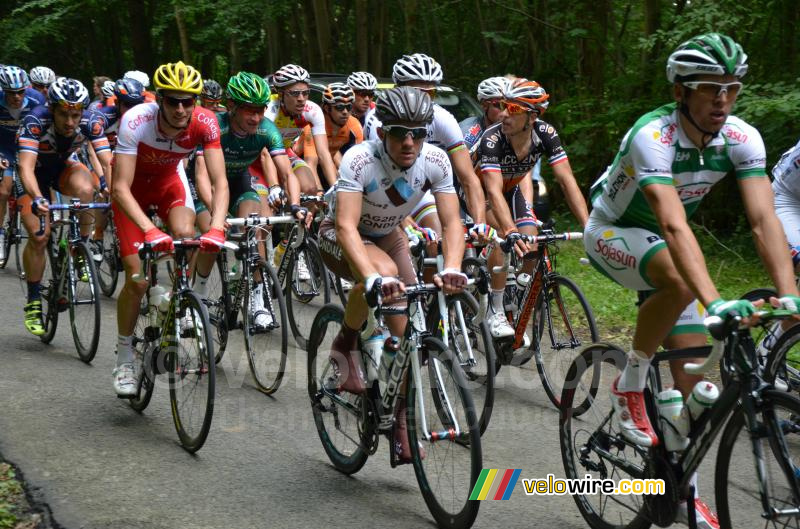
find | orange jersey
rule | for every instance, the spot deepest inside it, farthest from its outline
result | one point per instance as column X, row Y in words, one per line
column 347, row 136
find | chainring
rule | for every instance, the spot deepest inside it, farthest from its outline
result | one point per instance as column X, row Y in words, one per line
column 661, row 509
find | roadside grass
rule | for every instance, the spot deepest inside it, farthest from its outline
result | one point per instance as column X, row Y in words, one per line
column 732, row 262
column 15, row 512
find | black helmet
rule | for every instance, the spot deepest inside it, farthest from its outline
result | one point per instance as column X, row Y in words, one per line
column 404, row 104
column 211, row 90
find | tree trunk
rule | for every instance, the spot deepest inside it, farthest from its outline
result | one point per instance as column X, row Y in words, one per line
column 184, row 38
column 362, row 34
column 236, row 59
column 140, row 34
column 376, row 49
column 323, row 32
column 487, row 44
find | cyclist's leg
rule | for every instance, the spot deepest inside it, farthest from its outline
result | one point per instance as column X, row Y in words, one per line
column 309, row 181
column 76, row 181
column 34, row 261
column 6, row 181
column 130, row 296
column 426, row 216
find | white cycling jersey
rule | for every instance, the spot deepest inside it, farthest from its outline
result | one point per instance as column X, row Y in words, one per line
column 443, row 132
column 291, row 127
column 390, row 193
column 786, row 174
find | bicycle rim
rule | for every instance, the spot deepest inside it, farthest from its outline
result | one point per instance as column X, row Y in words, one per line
column 267, row 346
column 590, row 442
column 107, row 271
column 147, row 381
column 218, row 302
column 50, row 296
column 337, row 415
column 191, row 369
column 84, row 306
column 447, row 462
column 566, row 326
column 298, row 293
column 737, row 480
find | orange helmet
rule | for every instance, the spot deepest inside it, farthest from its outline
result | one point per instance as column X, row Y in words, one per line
column 528, row 94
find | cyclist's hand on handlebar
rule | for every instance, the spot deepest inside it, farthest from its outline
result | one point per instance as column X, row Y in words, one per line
column 301, row 213
column 391, row 287
column 482, row 234
column 212, row 241
column 4, row 163
column 160, row 241
column 515, row 241
column 276, row 196
column 727, row 308
column 40, row 206
column 451, row 280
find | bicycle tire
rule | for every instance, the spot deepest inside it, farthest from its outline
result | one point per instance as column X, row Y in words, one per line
column 8, row 241
column 347, row 460
column 49, row 294
column 781, row 364
column 18, row 238
column 107, row 271
column 219, row 305
column 87, row 349
column 147, row 380
column 267, row 373
column 777, row 434
column 552, row 366
column 450, row 508
column 579, row 459
column 183, row 365
column 296, row 299
column 481, row 343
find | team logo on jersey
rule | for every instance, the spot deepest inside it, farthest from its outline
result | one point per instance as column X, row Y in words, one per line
column 667, row 134
column 34, row 129
column 732, row 132
column 97, row 128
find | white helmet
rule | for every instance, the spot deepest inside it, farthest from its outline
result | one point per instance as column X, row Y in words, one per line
column 416, row 67
column 42, row 75
column 492, row 88
column 362, row 81
column 289, row 75
column 139, row 76
column 108, row 89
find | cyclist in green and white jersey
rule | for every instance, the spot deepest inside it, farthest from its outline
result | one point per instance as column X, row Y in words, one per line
column 638, row 234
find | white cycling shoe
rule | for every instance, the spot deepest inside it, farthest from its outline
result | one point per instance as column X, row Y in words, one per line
column 499, row 326
column 126, row 380
column 302, row 269
column 630, row 416
column 261, row 316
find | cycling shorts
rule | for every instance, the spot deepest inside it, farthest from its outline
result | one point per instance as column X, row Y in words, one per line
column 622, row 254
column 47, row 182
column 242, row 188
column 521, row 209
column 395, row 244
column 165, row 195
column 787, row 208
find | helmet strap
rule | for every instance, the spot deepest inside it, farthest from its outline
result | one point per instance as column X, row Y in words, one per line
column 684, row 109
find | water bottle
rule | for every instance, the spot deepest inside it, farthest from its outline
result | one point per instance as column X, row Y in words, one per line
column 523, row 279
column 703, row 396
column 373, row 347
column 155, row 296
column 673, row 423
column 390, row 347
column 279, row 251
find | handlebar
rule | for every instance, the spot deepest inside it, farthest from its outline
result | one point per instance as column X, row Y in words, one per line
column 262, row 221
column 72, row 206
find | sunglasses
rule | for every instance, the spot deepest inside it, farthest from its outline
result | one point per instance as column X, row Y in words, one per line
column 15, row 92
column 38, row 86
column 298, row 93
column 399, row 132
column 365, row 93
column 430, row 91
column 175, row 101
column 342, row 107
column 713, row 89
column 511, row 108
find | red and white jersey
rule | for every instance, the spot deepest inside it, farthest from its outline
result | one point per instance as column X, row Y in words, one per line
column 156, row 154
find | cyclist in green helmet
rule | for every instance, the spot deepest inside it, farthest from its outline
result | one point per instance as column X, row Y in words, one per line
column 638, row 234
column 247, row 139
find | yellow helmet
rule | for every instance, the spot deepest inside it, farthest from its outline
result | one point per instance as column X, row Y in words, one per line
column 179, row 77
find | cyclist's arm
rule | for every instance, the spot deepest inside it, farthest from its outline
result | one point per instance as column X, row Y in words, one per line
column 681, row 242
column 269, row 169
column 202, row 182
column 768, row 233
column 94, row 162
column 526, row 188
column 104, row 157
column 27, row 175
column 337, row 159
column 348, row 214
column 124, row 169
column 572, row 193
column 325, row 160
column 289, row 181
column 494, row 193
column 476, row 201
column 215, row 164
column 453, row 231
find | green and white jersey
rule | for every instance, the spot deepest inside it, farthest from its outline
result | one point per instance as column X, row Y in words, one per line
column 657, row 151
column 241, row 151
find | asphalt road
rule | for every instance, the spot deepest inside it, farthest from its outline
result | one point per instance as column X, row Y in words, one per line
column 99, row 464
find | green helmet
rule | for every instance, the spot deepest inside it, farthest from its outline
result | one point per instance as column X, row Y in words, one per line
column 248, row 88
column 710, row 53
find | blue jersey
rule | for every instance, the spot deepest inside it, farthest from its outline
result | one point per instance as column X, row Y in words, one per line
column 37, row 135
column 111, row 117
column 11, row 118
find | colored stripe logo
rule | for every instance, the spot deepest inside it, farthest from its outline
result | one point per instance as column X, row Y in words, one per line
column 495, row 484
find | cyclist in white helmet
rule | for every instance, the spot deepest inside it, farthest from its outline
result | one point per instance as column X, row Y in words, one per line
column 41, row 78
column 364, row 85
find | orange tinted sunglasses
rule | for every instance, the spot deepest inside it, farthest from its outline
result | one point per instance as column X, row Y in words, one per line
column 512, row 108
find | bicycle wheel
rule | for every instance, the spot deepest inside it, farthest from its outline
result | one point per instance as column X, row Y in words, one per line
column 84, row 307
column 218, row 302
column 783, row 362
column 187, row 335
column 447, row 458
column 338, row 416
column 107, row 270
column 19, row 239
column 141, row 343
column 8, row 240
column 590, row 442
column 777, row 456
column 563, row 324
column 472, row 345
column 266, row 345
column 53, row 300
column 299, row 292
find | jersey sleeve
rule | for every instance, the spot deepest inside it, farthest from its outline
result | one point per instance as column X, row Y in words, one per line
column 274, row 143
column 352, row 172
column 552, row 143
column 313, row 115
column 650, row 158
column 96, row 131
column 788, row 167
column 448, row 132
column 747, row 151
column 488, row 152
column 30, row 131
column 129, row 129
column 439, row 171
column 208, row 131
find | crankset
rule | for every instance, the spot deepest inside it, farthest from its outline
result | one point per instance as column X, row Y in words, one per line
column 661, row 509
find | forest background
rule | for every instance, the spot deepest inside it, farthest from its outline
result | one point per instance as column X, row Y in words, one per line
column 602, row 61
